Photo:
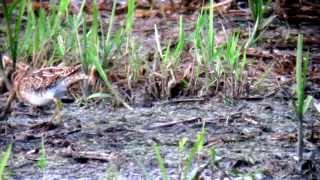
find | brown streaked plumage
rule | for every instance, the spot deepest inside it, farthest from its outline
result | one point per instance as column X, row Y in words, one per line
column 42, row 86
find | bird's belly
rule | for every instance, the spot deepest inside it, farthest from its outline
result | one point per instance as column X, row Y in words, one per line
column 38, row 99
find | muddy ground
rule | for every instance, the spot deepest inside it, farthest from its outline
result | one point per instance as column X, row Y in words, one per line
column 253, row 135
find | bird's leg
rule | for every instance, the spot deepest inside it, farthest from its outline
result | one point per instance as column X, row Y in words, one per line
column 57, row 116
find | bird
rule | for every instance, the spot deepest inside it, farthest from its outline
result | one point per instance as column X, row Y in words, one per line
column 42, row 86
column 46, row 85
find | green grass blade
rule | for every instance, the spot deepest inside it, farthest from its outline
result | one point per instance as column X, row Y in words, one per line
column 28, row 37
column 42, row 162
column 4, row 160
column 130, row 16
column 182, row 144
column 57, row 16
column 76, row 25
column 197, row 147
column 114, row 5
column 232, row 51
column 253, row 34
column 63, row 7
column 80, row 13
column 181, row 42
column 130, row 21
column 163, row 169
column 211, row 33
column 300, row 77
column 307, row 103
column 108, row 44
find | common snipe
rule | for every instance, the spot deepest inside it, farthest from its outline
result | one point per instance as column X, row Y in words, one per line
column 46, row 85
column 43, row 86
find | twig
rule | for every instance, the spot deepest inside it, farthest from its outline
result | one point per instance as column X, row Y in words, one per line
column 199, row 170
column 169, row 124
column 250, row 119
column 183, row 100
column 93, row 155
column 217, row 5
column 140, row 131
column 258, row 97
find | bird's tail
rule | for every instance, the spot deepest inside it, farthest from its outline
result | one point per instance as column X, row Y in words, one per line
column 76, row 78
column 79, row 76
